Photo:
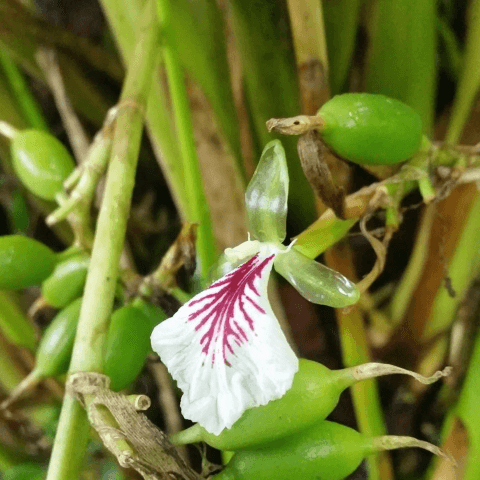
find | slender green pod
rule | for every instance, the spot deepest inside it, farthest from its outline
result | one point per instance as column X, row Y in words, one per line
column 41, row 162
column 314, row 394
column 66, row 282
column 326, row 451
column 54, row 350
column 128, row 344
column 370, row 129
column 23, row 262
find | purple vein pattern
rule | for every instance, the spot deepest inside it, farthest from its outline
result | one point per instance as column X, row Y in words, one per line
column 225, row 348
column 216, row 310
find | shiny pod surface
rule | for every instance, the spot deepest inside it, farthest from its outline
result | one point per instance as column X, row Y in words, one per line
column 128, row 344
column 314, row 394
column 23, row 262
column 326, row 451
column 55, row 347
column 370, row 129
column 66, row 282
column 154, row 313
column 41, row 162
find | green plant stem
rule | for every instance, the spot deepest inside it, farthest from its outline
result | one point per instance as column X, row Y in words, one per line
column 10, row 375
column 470, row 77
column 412, row 274
column 122, row 17
column 328, row 229
column 306, row 17
column 341, row 24
column 355, row 351
column 468, row 411
column 198, row 210
column 25, row 99
column 268, row 65
column 402, row 54
column 89, row 347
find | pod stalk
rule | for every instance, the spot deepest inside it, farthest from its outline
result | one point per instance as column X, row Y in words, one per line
column 296, row 125
column 393, row 442
column 190, row 435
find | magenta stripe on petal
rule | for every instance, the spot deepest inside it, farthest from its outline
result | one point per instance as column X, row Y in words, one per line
column 225, row 315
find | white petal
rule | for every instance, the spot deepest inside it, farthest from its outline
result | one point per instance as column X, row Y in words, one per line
column 225, row 348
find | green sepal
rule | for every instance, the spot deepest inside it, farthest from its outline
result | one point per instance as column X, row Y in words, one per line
column 316, row 282
column 267, row 194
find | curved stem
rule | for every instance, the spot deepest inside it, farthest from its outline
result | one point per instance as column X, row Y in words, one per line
column 393, row 442
column 374, row 370
column 29, row 382
column 198, row 210
column 470, row 79
column 89, row 347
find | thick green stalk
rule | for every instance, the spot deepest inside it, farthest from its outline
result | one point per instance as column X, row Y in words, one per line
column 198, row 210
column 25, row 99
column 470, row 79
column 89, row 347
column 402, row 54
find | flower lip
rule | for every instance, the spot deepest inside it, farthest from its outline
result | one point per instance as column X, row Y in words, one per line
column 225, row 347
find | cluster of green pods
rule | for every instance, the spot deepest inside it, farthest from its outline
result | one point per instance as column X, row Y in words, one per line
column 325, row 451
column 314, row 394
column 128, row 344
column 293, row 428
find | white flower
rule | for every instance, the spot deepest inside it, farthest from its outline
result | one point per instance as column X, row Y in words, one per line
column 225, row 347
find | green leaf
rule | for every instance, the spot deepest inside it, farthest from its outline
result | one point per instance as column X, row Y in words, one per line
column 267, row 194
column 316, row 282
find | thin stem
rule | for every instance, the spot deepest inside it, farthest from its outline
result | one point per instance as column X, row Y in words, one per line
column 393, row 442
column 198, row 210
column 412, row 274
column 48, row 61
column 470, row 79
column 356, row 351
column 88, row 351
column 26, row 101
